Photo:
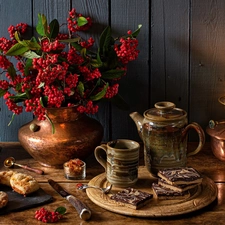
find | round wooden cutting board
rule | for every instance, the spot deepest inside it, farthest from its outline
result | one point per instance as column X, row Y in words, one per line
column 200, row 197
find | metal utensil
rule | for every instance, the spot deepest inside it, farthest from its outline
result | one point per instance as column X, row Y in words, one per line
column 104, row 190
column 83, row 211
column 9, row 162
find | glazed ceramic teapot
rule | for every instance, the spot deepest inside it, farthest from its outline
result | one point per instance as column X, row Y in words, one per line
column 164, row 130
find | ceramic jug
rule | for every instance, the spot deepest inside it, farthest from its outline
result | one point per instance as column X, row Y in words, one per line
column 164, row 130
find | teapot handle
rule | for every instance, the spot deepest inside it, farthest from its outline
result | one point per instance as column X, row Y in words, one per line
column 201, row 136
column 100, row 151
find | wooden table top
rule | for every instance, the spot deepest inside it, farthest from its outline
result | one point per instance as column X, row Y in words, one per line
column 205, row 162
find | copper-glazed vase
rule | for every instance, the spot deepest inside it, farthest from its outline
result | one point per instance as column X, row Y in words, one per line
column 76, row 136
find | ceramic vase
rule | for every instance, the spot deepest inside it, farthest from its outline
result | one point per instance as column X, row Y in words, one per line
column 76, row 136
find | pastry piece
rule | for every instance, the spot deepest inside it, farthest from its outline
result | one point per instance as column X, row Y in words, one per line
column 132, row 198
column 3, row 199
column 23, row 184
column 5, row 177
column 177, row 176
column 179, row 187
column 166, row 193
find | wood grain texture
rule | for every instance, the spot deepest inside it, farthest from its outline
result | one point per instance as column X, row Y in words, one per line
column 207, row 61
column 181, row 60
column 134, row 88
column 7, row 17
column 201, row 162
column 170, row 52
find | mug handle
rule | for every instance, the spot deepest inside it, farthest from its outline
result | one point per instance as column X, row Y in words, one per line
column 100, row 151
column 201, row 136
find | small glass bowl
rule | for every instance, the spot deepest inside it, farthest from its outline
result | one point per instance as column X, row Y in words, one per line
column 74, row 171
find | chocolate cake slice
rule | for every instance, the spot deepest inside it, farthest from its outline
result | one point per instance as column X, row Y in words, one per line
column 132, row 198
column 179, row 187
column 166, row 193
column 177, row 176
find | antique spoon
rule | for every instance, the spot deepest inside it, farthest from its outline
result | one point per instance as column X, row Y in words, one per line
column 9, row 162
column 85, row 186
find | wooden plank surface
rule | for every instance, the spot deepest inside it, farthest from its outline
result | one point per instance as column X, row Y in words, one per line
column 207, row 61
column 12, row 13
column 181, row 59
column 170, row 52
column 134, row 88
column 201, row 162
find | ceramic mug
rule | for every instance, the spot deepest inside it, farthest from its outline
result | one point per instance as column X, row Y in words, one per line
column 121, row 161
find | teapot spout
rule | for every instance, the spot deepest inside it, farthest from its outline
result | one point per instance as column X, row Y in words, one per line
column 138, row 119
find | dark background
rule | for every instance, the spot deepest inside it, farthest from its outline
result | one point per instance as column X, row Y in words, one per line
column 182, row 59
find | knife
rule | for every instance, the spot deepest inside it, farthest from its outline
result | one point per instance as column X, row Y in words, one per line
column 83, row 211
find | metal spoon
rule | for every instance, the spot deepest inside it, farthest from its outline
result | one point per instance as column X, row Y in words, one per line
column 9, row 162
column 104, row 190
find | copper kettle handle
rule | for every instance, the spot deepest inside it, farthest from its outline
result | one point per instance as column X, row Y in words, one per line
column 201, row 136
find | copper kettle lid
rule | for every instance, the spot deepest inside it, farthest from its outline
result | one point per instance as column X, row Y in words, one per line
column 165, row 111
column 216, row 129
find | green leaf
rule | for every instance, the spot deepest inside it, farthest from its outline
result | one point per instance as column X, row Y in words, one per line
column 61, row 210
column 113, row 74
column 101, row 94
column 136, row 32
column 42, row 25
column 105, row 40
column 52, row 124
column 13, row 116
column 71, row 40
column 17, row 49
column 95, row 63
column 43, row 101
column 77, row 46
column 80, row 88
column 28, row 65
column 120, row 102
column 19, row 97
column 42, row 84
column 2, row 92
column 30, row 55
column 33, row 44
column 12, row 72
column 54, row 28
column 112, row 60
column 81, row 21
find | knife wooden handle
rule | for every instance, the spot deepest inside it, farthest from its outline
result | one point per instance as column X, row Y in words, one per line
column 83, row 211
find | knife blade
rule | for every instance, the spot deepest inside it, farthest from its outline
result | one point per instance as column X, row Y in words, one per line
column 83, row 211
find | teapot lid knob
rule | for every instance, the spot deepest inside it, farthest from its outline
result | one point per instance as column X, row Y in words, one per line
column 165, row 106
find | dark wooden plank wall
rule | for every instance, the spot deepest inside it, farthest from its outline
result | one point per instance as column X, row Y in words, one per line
column 182, row 57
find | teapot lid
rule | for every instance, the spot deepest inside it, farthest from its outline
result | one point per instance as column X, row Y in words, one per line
column 165, row 111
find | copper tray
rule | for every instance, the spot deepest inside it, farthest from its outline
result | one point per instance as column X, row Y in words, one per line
column 200, row 197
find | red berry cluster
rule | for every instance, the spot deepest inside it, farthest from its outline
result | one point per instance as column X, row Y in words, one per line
column 89, row 74
column 127, row 49
column 21, row 28
column 90, row 108
column 62, row 72
column 112, row 91
column 5, row 44
column 87, row 44
column 73, row 24
column 46, row 216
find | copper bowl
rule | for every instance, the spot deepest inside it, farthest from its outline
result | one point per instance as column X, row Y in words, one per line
column 216, row 131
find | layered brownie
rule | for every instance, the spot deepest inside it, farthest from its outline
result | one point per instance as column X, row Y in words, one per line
column 179, row 187
column 132, row 198
column 167, row 193
column 178, row 176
